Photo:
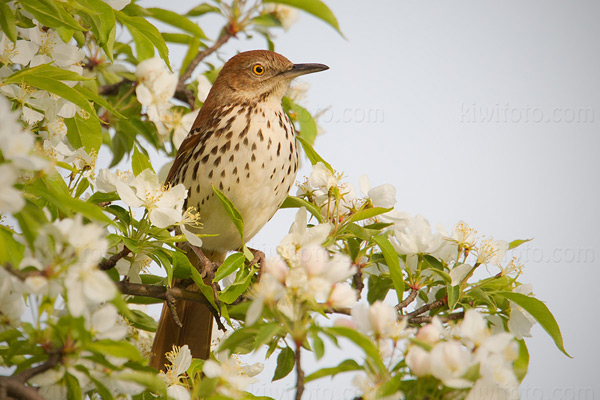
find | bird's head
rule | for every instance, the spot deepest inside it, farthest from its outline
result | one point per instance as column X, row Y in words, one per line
column 258, row 75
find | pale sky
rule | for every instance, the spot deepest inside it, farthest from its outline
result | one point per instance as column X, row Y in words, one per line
column 486, row 112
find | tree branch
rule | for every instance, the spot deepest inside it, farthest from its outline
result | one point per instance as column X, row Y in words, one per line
column 164, row 293
column 299, row 372
column 426, row 307
column 183, row 93
column 427, row 319
column 109, row 263
column 16, row 386
column 113, row 89
column 409, row 299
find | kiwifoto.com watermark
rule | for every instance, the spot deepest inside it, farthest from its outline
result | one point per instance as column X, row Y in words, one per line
column 357, row 115
column 506, row 113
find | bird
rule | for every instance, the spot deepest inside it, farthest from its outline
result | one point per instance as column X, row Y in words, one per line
column 242, row 143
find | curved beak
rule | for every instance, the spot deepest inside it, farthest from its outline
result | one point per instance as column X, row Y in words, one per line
column 303, row 69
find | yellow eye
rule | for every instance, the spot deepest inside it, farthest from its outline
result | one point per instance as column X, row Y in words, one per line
column 258, row 69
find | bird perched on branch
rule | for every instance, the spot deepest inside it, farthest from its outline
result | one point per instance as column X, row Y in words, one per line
column 243, row 144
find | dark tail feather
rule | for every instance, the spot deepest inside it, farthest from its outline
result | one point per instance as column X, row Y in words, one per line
column 197, row 327
column 196, row 332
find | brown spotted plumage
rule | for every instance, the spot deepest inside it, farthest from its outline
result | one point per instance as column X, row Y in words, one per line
column 242, row 143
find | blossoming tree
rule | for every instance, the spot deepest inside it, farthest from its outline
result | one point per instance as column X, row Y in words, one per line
column 425, row 317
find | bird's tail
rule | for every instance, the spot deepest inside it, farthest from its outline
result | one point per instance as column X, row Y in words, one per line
column 196, row 330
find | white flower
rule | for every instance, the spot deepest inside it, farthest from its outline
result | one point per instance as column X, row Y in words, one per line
column 462, row 235
column 157, row 86
column 520, row 321
column 491, row 251
column 432, row 332
column 180, row 360
column 16, row 144
column 104, row 323
column 368, row 385
column 175, row 121
column 474, row 328
column 342, row 296
column 117, row 4
column 12, row 304
column 286, row 15
column 233, row 377
column 321, row 177
column 11, row 199
column 302, row 236
column 204, row 87
column 268, row 290
column 459, row 272
column 164, row 204
column 53, row 49
column 449, row 362
column 378, row 319
column 419, row 361
column 415, row 237
column 20, row 52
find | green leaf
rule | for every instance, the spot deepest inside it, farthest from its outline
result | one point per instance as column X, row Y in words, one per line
column 139, row 162
column 86, row 133
column 312, row 155
column 206, row 290
column 73, row 388
column 362, row 341
column 11, row 251
column 148, row 379
column 8, row 22
column 231, row 264
column 453, row 296
column 234, row 291
column 233, row 213
column 115, row 348
column 344, row 366
column 378, row 286
column 285, row 364
column 202, row 9
column 103, row 24
column 143, row 321
column 517, row 243
column 318, row 346
column 180, row 38
column 368, row 213
column 521, row 364
column 177, row 20
column 51, row 14
column 314, row 7
column 240, row 341
column 308, row 126
column 391, row 259
column 46, row 71
column 267, row 332
column 193, row 49
column 297, row 202
column 542, row 315
column 143, row 33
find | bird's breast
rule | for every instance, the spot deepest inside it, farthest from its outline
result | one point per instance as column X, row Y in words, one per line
column 250, row 155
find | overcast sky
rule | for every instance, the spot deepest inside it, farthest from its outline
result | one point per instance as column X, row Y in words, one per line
column 483, row 111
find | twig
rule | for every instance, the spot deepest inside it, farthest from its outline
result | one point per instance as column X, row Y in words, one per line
column 299, row 372
column 183, row 93
column 171, row 304
column 109, row 263
column 409, row 299
column 162, row 293
column 113, row 89
column 426, row 307
column 427, row 320
column 16, row 386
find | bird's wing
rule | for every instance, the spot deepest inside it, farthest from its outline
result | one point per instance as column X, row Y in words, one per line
column 183, row 154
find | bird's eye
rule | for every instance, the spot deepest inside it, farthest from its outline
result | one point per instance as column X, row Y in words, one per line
column 258, row 69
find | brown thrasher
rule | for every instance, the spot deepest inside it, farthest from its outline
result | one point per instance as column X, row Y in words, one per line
column 243, row 143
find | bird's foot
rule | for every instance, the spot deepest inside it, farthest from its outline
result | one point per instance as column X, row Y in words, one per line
column 259, row 259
